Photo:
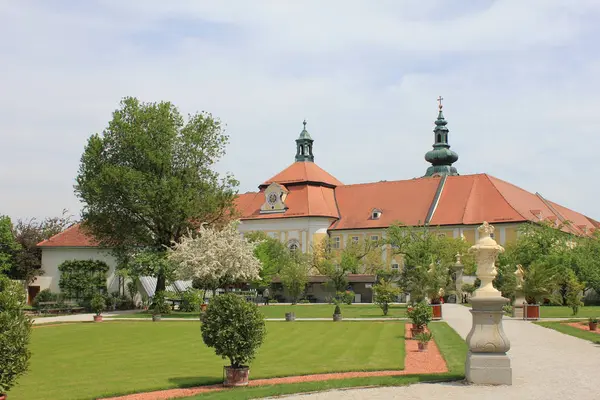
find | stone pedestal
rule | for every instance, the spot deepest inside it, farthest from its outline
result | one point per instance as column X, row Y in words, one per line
column 487, row 362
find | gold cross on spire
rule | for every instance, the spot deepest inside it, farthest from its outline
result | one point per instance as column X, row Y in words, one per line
column 439, row 99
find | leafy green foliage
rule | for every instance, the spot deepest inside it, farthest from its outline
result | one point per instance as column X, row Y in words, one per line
column 81, row 279
column 190, row 300
column 44, row 296
column 8, row 244
column 28, row 233
column 152, row 262
column 294, row 274
column 385, row 293
column 234, row 328
column 159, row 304
column 149, row 178
column 98, row 304
column 15, row 331
column 420, row 314
column 346, row 297
column 424, row 337
column 428, row 256
column 271, row 253
column 337, row 310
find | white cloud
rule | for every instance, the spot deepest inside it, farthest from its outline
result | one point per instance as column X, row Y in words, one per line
column 519, row 79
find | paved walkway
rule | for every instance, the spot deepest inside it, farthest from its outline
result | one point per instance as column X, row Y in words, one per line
column 546, row 365
column 80, row 317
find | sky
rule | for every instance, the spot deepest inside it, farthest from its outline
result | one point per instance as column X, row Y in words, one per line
column 519, row 81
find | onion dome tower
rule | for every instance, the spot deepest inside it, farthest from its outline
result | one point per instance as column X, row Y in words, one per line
column 441, row 157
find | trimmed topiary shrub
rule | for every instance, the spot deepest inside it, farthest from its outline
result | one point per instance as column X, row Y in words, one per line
column 98, row 304
column 420, row 314
column 15, row 331
column 82, row 279
column 234, row 328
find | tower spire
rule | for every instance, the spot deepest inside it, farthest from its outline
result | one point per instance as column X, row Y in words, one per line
column 441, row 157
column 304, row 146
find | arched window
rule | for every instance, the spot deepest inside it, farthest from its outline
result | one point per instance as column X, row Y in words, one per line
column 439, row 138
column 293, row 245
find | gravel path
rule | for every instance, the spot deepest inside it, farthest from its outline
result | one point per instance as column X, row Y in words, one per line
column 546, row 365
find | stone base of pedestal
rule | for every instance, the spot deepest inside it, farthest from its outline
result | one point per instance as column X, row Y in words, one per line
column 488, row 369
column 517, row 312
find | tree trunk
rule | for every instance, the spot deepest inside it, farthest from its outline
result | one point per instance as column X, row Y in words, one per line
column 160, row 283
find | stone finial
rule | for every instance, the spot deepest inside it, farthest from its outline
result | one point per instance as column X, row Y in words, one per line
column 486, row 230
column 520, row 274
column 458, row 260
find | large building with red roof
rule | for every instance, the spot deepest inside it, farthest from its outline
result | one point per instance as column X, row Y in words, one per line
column 304, row 204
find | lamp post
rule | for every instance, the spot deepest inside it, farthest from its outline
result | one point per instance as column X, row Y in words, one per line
column 487, row 362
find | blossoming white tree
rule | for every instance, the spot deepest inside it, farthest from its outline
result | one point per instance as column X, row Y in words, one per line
column 216, row 254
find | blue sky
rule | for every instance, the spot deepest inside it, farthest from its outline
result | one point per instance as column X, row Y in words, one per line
column 519, row 80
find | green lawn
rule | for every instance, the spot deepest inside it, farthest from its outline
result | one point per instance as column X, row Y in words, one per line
column 89, row 360
column 565, row 312
column 569, row 330
column 305, row 311
column 452, row 346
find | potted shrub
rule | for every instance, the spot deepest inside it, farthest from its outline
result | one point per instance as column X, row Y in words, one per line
column 203, row 307
column 537, row 283
column 159, row 306
column 98, row 304
column 290, row 316
column 337, row 313
column 593, row 323
column 235, row 328
column 15, row 330
column 423, row 338
column 420, row 315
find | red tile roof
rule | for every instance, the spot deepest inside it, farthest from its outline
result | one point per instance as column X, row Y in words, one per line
column 74, row 236
column 301, row 201
column 303, row 171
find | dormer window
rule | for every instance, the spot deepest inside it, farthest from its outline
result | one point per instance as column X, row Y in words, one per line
column 376, row 213
column 538, row 214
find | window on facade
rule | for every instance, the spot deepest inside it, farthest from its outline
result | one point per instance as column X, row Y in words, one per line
column 293, row 245
column 374, row 238
column 355, row 239
column 395, row 267
column 441, row 235
column 336, row 242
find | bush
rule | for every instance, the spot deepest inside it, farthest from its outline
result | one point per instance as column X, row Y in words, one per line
column 385, row 293
column 346, row 297
column 420, row 314
column 82, row 279
column 44, row 296
column 234, row 327
column 98, row 304
column 304, row 301
column 424, row 337
column 190, row 300
column 159, row 305
column 15, row 331
column 337, row 309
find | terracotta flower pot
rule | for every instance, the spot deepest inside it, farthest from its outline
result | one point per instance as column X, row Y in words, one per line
column 531, row 311
column 337, row 317
column 97, row 318
column 236, row 376
column 203, row 307
column 423, row 346
column 415, row 331
column 437, row 311
column 290, row 316
column 2, row 396
column 593, row 326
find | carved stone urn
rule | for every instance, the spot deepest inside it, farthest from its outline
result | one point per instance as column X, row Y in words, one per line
column 487, row 362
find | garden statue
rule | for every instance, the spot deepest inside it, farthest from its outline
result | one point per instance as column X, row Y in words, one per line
column 487, row 362
column 519, row 296
column 458, row 268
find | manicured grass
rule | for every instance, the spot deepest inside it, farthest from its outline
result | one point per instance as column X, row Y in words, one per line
column 572, row 331
column 89, row 360
column 567, row 312
column 452, row 346
column 305, row 311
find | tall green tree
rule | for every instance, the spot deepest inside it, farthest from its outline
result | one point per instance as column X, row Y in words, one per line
column 28, row 233
column 428, row 255
column 271, row 253
column 149, row 178
column 8, row 244
column 294, row 274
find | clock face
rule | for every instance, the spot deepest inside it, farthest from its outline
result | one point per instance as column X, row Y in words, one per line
column 272, row 199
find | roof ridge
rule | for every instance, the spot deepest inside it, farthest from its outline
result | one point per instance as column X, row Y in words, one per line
column 501, row 195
